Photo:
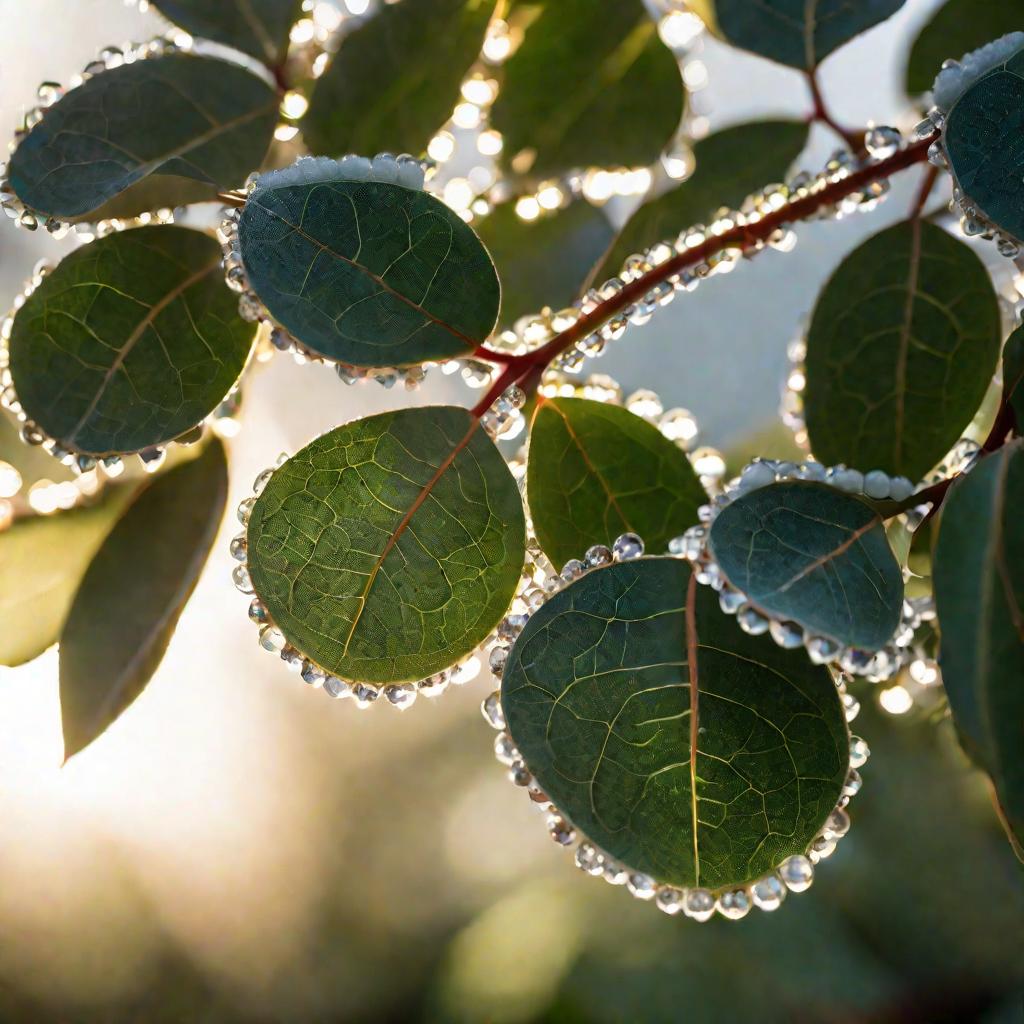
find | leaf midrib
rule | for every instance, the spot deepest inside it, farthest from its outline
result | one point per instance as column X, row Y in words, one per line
column 903, row 353
column 691, row 659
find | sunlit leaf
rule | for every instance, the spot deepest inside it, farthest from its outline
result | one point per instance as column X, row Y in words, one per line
column 389, row 547
column 730, row 165
column 597, row 470
column 32, row 462
column 257, row 27
column 134, row 592
column 369, row 273
column 130, row 342
column 1013, row 375
column 679, row 744
column 815, row 555
column 396, row 78
column 591, row 85
column 902, row 346
column 178, row 115
column 979, row 591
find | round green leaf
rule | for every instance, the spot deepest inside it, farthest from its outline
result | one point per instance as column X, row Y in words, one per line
column 369, row 273
column 385, row 90
column 815, row 555
column 981, row 137
column 390, row 547
column 179, row 115
column 902, row 346
column 679, row 744
column 591, row 85
column 596, row 471
column 131, row 342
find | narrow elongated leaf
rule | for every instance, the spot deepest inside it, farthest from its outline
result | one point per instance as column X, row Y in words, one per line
column 679, row 744
column 134, row 592
column 42, row 560
column 130, row 342
column 257, row 27
column 369, row 273
column 979, row 592
column 179, row 115
column 813, row 554
column 1013, row 376
column 981, row 137
column 597, row 470
column 543, row 262
column 591, row 84
column 390, row 547
column 902, row 346
column 730, row 165
column 388, row 88
column 799, row 33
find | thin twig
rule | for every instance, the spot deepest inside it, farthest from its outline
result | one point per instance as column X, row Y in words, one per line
column 821, row 113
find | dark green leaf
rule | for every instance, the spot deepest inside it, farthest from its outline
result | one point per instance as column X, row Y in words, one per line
column 799, row 33
column 396, row 78
column 390, row 547
column 614, row 683
column 134, row 592
column 131, row 342
column 42, row 560
column 597, row 470
column 979, row 592
column 259, row 28
column 730, row 165
column 981, row 135
column 591, row 85
column 815, row 555
column 1013, row 376
column 369, row 273
column 178, row 115
column 902, row 346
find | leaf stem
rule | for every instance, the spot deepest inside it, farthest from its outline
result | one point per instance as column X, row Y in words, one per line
column 822, row 114
column 927, row 184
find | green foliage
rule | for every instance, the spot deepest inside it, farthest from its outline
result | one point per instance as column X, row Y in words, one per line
column 815, row 555
column 1013, row 376
column 979, row 591
column 396, row 78
column 388, row 548
column 980, row 136
column 730, row 165
column 133, row 593
column 596, row 471
column 131, row 342
column 679, row 744
column 259, row 28
column 177, row 116
column 591, row 85
column 368, row 273
column 902, row 345
column 543, row 262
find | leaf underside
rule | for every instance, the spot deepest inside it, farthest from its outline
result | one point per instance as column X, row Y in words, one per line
column 901, row 349
column 130, row 342
column 389, row 547
column 369, row 273
column 614, row 679
column 179, row 115
column 815, row 555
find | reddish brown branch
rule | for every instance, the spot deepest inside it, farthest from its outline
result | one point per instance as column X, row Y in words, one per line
column 821, row 112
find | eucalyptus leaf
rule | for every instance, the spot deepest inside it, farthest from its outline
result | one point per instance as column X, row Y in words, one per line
column 178, row 115
column 596, row 471
column 591, row 85
column 901, row 349
column 259, row 28
column 979, row 594
column 129, row 602
column 680, row 745
column 368, row 273
column 981, row 135
column 813, row 554
column 389, row 548
column 730, row 165
column 130, row 342
column 798, row 33
column 42, row 560
column 396, row 78
column 1013, row 376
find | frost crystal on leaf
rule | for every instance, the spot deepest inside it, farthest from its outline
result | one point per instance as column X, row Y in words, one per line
column 953, row 81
